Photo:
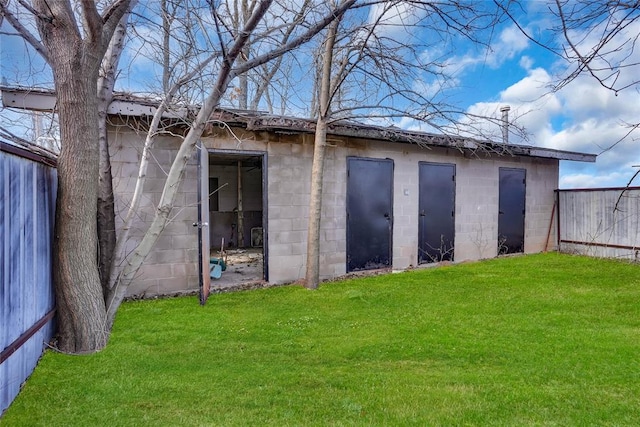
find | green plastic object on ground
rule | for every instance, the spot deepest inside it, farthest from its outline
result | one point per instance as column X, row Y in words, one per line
column 216, row 267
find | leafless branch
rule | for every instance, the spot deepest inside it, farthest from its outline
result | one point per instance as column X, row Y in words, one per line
column 22, row 30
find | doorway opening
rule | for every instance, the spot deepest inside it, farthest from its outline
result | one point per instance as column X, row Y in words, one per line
column 237, row 218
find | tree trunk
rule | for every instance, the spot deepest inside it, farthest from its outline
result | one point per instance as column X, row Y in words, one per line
column 106, row 217
column 312, row 276
column 82, row 317
column 81, row 311
column 124, row 272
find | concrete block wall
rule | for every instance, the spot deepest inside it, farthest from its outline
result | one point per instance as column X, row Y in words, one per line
column 172, row 265
column 476, row 208
column 289, row 184
column 540, row 220
column 289, row 160
column 228, row 194
column 477, row 196
column 333, row 224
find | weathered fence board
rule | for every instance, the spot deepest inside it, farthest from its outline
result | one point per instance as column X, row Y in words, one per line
column 27, row 209
column 600, row 222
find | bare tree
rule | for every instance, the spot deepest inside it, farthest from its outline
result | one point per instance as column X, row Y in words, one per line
column 252, row 90
column 370, row 70
column 74, row 42
column 599, row 40
column 127, row 265
column 315, row 201
column 106, row 205
column 596, row 39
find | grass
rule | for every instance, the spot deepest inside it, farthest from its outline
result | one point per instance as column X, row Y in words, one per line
column 535, row 340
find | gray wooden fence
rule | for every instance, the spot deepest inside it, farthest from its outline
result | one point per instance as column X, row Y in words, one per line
column 601, row 222
column 28, row 182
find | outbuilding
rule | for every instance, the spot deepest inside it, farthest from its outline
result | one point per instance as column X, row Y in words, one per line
column 392, row 199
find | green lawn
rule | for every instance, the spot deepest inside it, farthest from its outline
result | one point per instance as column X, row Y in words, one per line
column 534, row 340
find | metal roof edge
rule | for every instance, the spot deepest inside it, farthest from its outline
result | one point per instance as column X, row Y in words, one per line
column 132, row 105
column 596, row 189
column 551, row 153
column 31, row 152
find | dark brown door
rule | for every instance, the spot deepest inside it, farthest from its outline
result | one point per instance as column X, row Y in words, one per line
column 369, row 213
column 511, row 207
column 436, row 205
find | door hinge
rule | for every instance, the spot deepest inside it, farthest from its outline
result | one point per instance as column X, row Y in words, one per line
column 200, row 224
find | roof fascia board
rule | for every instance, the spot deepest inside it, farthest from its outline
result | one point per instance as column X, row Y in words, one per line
column 290, row 125
column 25, row 99
column 42, row 100
column 562, row 155
column 45, row 100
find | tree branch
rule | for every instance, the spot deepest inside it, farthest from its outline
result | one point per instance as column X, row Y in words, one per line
column 32, row 10
column 112, row 16
column 308, row 35
column 23, row 31
column 92, row 21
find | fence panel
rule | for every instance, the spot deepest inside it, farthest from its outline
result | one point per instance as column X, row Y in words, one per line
column 28, row 185
column 600, row 222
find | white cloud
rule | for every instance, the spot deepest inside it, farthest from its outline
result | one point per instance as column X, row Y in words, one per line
column 531, row 88
column 509, row 43
column 596, row 178
column 532, row 107
column 526, row 62
column 394, row 18
column 612, row 63
column 583, row 180
column 436, row 87
column 583, row 117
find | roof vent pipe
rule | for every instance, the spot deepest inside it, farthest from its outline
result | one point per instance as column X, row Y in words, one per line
column 505, row 123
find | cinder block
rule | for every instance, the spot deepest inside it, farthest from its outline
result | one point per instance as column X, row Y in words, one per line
column 279, row 249
column 154, row 271
column 172, row 285
column 143, row 287
column 169, row 256
column 288, row 237
column 282, row 149
column 183, row 241
column 183, row 270
column 280, row 224
column 299, row 224
column 126, row 154
column 286, row 269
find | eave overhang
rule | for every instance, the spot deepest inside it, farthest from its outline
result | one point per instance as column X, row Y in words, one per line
column 129, row 105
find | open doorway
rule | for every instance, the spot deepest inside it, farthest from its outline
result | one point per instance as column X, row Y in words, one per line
column 237, row 218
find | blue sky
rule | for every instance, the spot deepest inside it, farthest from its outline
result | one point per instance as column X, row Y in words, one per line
column 514, row 71
column 583, row 116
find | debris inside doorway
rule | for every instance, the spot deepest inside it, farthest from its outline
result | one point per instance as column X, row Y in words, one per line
column 242, row 266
